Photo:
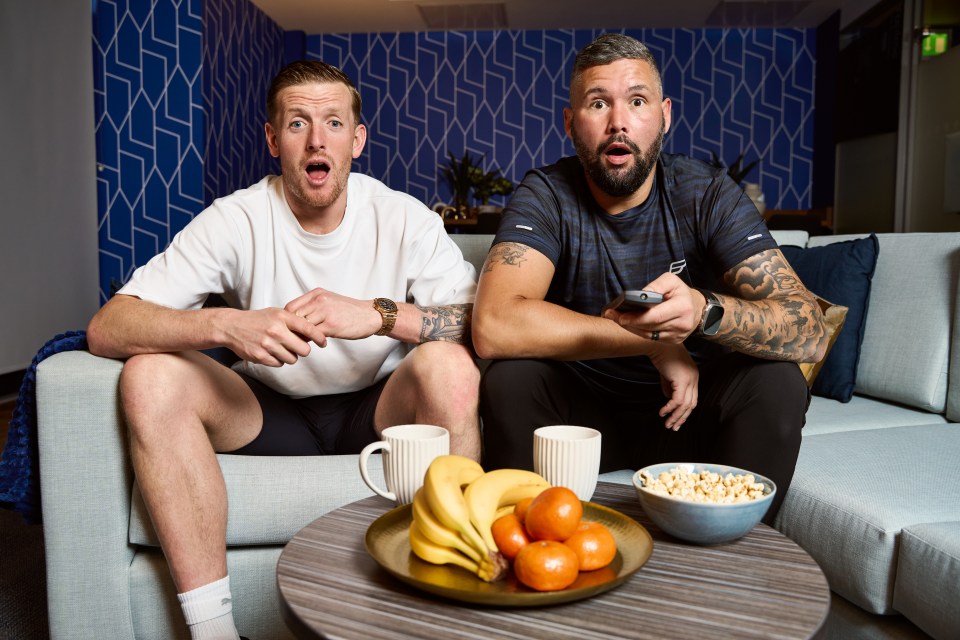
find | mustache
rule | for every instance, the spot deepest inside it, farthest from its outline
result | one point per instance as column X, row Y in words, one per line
column 621, row 139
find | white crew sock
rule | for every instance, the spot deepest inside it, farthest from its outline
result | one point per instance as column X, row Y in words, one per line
column 208, row 611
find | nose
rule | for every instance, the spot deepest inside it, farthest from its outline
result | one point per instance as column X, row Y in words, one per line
column 315, row 140
column 618, row 119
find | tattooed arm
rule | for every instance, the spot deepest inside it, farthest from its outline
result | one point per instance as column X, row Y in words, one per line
column 771, row 314
column 450, row 323
column 511, row 319
column 768, row 313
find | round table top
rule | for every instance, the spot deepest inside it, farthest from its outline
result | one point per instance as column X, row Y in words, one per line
column 760, row 586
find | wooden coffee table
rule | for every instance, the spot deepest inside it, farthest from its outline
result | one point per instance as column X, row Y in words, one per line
column 761, row 586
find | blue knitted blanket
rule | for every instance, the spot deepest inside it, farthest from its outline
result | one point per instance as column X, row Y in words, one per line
column 20, row 465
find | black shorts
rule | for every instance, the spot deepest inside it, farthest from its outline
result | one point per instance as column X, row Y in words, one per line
column 320, row 425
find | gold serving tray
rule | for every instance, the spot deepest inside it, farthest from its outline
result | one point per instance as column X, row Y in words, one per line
column 388, row 543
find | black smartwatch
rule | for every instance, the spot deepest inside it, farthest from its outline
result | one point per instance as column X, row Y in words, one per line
column 712, row 314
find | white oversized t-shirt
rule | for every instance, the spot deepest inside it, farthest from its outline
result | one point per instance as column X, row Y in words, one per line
column 249, row 248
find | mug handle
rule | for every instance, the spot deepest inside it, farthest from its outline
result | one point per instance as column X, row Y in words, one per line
column 364, row 455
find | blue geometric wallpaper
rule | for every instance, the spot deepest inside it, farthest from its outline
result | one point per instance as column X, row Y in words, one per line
column 179, row 90
column 242, row 51
column 500, row 94
column 149, row 128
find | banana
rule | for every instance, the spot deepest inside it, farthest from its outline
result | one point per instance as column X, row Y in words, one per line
column 436, row 532
column 429, row 551
column 495, row 489
column 442, row 488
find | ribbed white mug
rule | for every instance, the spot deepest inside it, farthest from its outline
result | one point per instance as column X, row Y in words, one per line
column 408, row 449
column 568, row 456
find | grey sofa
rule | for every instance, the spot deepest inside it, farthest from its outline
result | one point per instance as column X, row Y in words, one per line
column 876, row 499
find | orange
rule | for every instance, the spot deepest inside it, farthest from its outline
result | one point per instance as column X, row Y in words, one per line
column 546, row 565
column 553, row 515
column 521, row 508
column 594, row 545
column 509, row 534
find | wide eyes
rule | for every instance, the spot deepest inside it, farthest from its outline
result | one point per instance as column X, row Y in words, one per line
column 602, row 104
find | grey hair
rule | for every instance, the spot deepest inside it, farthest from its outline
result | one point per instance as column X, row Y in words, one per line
column 609, row 48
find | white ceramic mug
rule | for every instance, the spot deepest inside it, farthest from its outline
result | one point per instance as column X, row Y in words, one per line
column 408, row 449
column 568, row 456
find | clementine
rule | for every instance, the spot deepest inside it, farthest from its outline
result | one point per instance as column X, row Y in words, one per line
column 594, row 545
column 509, row 534
column 521, row 508
column 546, row 565
column 553, row 515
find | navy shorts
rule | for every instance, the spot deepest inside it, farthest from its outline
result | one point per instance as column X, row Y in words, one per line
column 319, row 425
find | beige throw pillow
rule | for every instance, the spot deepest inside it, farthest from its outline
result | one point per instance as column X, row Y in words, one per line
column 834, row 315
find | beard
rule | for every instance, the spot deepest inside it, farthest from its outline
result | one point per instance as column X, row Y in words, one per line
column 618, row 182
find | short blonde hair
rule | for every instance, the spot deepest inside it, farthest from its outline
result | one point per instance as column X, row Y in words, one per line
column 306, row 72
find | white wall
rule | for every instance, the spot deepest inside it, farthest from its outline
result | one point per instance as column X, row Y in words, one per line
column 48, row 210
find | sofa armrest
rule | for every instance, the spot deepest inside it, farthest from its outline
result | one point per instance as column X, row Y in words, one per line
column 85, row 488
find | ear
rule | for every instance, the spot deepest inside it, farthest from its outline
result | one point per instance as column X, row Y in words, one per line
column 666, row 105
column 359, row 140
column 567, row 120
column 272, row 142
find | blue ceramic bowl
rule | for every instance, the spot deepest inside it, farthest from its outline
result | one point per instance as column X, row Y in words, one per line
column 702, row 522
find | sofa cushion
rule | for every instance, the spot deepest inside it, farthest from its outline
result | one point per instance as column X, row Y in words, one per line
column 906, row 341
column 474, row 247
column 840, row 272
column 853, row 492
column 826, row 415
column 928, row 575
column 271, row 498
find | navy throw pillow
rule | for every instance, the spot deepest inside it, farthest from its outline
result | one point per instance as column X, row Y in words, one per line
column 840, row 272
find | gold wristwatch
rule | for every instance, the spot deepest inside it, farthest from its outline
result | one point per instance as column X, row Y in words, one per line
column 388, row 311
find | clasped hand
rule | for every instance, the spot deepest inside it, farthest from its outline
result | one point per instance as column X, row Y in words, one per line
column 274, row 337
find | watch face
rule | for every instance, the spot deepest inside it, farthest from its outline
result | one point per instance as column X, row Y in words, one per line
column 712, row 319
column 386, row 304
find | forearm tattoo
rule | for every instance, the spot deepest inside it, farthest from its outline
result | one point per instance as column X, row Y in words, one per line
column 506, row 253
column 449, row 323
column 765, row 322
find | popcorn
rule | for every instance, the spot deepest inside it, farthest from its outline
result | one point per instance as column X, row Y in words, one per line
column 705, row 486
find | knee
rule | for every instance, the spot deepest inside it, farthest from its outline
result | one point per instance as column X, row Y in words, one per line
column 152, row 383
column 447, row 371
column 782, row 396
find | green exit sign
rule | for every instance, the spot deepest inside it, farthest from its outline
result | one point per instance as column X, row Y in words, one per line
column 935, row 43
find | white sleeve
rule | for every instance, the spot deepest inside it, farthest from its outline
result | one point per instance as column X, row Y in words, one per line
column 439, row 275
column 202, row 259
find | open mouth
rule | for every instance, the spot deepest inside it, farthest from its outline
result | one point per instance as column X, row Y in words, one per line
column 317, row 171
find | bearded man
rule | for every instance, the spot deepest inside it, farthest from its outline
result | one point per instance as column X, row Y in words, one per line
column 709, row 374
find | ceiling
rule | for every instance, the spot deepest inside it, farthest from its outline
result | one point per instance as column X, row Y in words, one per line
column 377, row 16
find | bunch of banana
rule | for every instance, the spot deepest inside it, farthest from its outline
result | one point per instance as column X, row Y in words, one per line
column 455, row 509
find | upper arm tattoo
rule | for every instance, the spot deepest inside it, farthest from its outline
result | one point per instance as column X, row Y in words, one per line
column 774, row 315
column 506, row 253
column 448, row 323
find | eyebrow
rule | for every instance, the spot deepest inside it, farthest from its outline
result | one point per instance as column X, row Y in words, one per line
column 637, row 88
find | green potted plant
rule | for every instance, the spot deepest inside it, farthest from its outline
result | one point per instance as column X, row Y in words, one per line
column 466, row 178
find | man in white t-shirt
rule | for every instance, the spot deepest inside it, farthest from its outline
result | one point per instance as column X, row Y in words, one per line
column 332, row 279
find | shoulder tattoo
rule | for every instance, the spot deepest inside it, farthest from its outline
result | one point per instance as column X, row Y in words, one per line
column 506, row 253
